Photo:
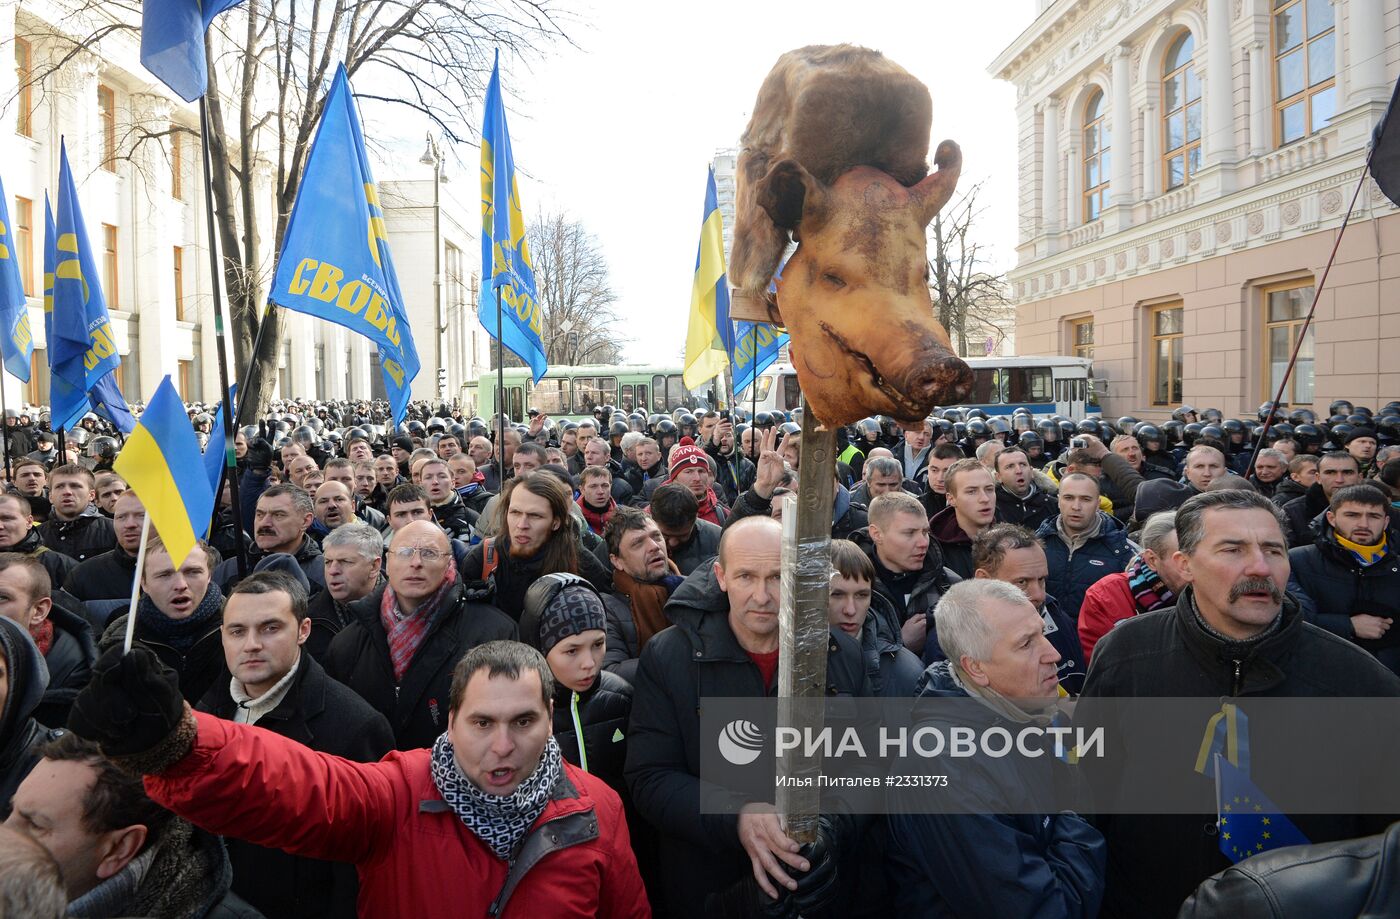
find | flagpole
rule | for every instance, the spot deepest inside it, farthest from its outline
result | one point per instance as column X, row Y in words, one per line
column 136, row 583
column 500, row 391
column 5, row 413
column 230, row 473
column 1302, row 333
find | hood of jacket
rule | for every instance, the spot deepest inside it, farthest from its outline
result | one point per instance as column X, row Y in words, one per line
column 938, row 682
column 933, row 561
column 701, row 608
column 1109, row 526
column 28, row 677
column 944, row 527
column 30, row 544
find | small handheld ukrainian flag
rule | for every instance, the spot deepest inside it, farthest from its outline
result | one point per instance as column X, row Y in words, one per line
column 709, row 333
column 162, row 463
column 16, row 339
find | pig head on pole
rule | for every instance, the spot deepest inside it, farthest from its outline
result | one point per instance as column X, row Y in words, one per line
column 836, row 158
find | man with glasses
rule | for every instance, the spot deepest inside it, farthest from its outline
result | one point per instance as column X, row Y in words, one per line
column 407, row 635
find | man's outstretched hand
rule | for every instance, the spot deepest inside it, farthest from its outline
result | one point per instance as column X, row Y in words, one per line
column 131, row 706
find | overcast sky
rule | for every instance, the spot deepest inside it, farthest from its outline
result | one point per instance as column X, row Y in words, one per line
column 618, row 131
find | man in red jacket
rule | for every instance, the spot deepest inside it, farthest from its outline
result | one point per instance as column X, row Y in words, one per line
column 1151, row 582
column 490, row 822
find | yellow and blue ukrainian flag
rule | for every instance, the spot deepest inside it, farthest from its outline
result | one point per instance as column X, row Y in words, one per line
column 755, row 345
column 709, row 334
column 507, row 270
column 162, row 464
column 335, row 262
column 172, row 42
column 16, row 338
column 83, row 354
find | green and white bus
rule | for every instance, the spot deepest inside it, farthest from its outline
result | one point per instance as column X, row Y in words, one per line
column 573, row 392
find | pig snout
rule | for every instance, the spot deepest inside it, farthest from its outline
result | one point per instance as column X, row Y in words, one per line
column 931, row 374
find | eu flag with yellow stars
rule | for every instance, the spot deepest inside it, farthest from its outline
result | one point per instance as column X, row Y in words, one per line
column 335, row 261
column 1249, row 822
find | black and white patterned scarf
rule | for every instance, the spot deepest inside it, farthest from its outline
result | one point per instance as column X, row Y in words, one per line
column 500, row 821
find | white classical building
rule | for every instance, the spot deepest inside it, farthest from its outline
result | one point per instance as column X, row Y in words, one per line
column 135, row 153
column 1184, row 167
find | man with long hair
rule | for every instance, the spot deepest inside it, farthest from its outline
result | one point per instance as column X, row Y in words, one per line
column 534, row 536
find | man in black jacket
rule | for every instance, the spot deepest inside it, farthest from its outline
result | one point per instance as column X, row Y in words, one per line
column 643, row 581
column 1019, row 499
column 1233, row 632
column 1335, row 471
column 1302, row 475
column 1348, row 580
column 354, row 558
column 283, row 517
column 177, row 618
column 18, row 534
column 448, row 508
column 76, row 528
column 63, row 637
column 407, row 636
column 909, row 570
column 108, row 576
column 724, row 643
column 690, row 541
column 276, row 686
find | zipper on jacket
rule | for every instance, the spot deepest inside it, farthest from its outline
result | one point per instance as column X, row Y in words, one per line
column 1237, row 686
column 578, row 731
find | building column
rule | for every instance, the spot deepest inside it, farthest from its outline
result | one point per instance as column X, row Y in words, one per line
column 1219, row 140
column 1121, row 147
column 152, row 253
column 1259, row 100
column 1365, row 68
column 1050, row 168
column 75, row 116
column 335, row 361
column 1151, row 165
column 1074, row 182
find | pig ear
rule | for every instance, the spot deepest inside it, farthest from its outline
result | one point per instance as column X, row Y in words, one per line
column 787, row 192
column 934, row 191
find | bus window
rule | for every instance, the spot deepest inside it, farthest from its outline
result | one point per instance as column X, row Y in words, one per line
column 658, row 394
column 792, row 393
column 986, row 386
column 641, row 403
column 590, row 392
column 1027, row 384
column 514, row 407
column 550, row 396
column 760, row 390
column 625, row 397
column 676, row 393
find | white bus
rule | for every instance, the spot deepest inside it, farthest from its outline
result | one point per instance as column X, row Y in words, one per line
column 1046, row 386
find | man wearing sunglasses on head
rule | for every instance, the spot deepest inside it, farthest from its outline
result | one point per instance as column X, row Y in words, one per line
column 408, row 634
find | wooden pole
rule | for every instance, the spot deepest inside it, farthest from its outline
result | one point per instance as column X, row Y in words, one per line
column 803, row 631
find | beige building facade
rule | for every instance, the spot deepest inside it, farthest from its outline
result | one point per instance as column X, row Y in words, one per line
column 1184, row 169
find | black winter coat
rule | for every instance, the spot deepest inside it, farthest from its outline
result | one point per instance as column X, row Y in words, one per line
column 326, row 716
column 1072, row 573
column 1286, row 491
column 985, row 863
column 197, row 669
column 1331, row 586
column 58, row 565
column 622, row 652
column 702, row 546
column 454, row 517
column 1307, row 517
column 82, row 537
column 695, row 659
column 1155, row 862
column 308, row 556
column 1030, row 511
column 416, row 707
column 512, row 577
column 103, row 577
column 928, row 589
column 603, row 710
column 70, row 661
column 328, row 617
column 20, row 735
column 893, row 669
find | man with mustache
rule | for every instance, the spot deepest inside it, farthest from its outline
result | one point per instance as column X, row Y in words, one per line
column 1233, row 632
column 1347, row 581
column 284, row 515
column 643, row 580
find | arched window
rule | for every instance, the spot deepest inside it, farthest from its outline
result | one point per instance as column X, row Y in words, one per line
column 1096, row 143
column 1181, row 114
column 1305, row 62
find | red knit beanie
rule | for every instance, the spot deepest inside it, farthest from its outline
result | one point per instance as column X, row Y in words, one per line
column 684, row 455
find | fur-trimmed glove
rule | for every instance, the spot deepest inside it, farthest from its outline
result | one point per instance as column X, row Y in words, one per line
column 133, row 710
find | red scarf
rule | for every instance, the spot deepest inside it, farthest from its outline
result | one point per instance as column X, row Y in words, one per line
column 709, row 508
column 597, row 520
column 43, row 636
column 406, row 633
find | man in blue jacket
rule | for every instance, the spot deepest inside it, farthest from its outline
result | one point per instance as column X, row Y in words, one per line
column 980, row 861
column 1082, row 543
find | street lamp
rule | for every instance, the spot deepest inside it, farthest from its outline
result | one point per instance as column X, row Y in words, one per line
column 432, row 156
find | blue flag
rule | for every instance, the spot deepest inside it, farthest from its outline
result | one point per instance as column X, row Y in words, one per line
column 172, row 42
column 16, row 338
column 1249, row 822
column 214, row 457
column 83, row 351
column 508, row 275
column 755, row 345
column 335, row 261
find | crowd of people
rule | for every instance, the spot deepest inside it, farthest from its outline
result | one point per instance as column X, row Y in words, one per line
column 436, row 670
